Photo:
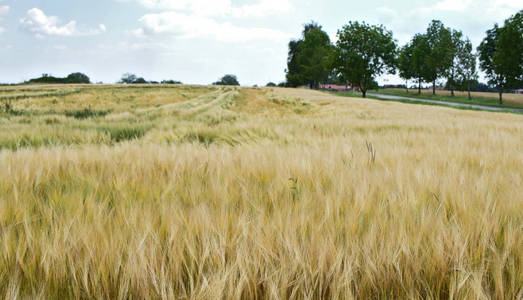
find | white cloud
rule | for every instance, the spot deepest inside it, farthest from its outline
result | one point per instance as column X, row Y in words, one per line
column 186, row 26
column 6, row 47
column 199, row 7
column 262, row 8
column 452, row 5
column 496, row 6
column 42, row 25
column 4, row 10
column 457, row 14
column 219, row 8
column 209, row 19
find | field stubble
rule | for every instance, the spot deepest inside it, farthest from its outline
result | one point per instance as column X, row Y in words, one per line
column 202, row 192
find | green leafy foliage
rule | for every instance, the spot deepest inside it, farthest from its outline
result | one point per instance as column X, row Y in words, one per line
column 78, row 78
column 86, row 113
column 228, row 80
column 310, row 58
column 364, row 52
column 73, row 78
column 440, row 55
column 501, row 54
column 467, row 71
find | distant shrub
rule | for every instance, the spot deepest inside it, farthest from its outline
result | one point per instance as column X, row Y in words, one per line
column 86, row 113
column 129, row 78
column 125, row 132
column 206, row 137
column 77, row 78
column 228, row 80
column 73, row 78
column 140, row 80
column 171, row 82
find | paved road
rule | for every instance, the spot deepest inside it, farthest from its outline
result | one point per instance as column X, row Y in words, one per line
column 451, row 104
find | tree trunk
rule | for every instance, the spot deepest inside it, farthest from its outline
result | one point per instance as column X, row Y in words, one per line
column 407, row 85
column 364, row 92
column 434, row 87
column 419, row 86
column 500, row 96
column 468, row 88
column 452, row 89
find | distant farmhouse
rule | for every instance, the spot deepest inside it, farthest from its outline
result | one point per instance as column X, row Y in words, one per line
column 334, row 87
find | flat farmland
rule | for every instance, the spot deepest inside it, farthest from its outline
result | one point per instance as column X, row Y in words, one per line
column 222, row 192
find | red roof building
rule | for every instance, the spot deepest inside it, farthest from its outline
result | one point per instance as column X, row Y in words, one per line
column 334, row 87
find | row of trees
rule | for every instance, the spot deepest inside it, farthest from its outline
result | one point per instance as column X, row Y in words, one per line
column 130, row 78
column 364, row 52
column 127, row 78
column 73, row 78
column 441, row 52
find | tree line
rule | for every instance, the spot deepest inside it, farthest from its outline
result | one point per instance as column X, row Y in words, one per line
column 363, row 52
column 127, row 78
column 130, row 78
column 73, row 78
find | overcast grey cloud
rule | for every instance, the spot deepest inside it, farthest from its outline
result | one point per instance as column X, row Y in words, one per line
column 198, row 41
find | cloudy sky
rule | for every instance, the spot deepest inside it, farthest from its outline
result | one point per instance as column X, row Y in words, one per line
column 197, row 41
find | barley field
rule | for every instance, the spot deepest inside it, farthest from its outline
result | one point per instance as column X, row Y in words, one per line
column 196, row 192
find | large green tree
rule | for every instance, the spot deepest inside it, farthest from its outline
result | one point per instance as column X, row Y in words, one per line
column 364, row 52
column 228, row 79
column 128, row 78
column 405, row 64
column 439, row 59
column 309, row 60
column 501, row 54
column 420, row 52
column 456, row 47
column 294, row 74
column 467, row 72
column 77, row 78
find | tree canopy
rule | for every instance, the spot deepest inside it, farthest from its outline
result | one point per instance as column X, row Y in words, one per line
column 228, row 79
column 77, row 78
column 467, row 71
column 456, row 47
column 411, row 59
column 364, row 52
column 405, row 66
column 501, row 54
column 439, row 58
column 128, row 78
column 73, row 78
column 310, row 58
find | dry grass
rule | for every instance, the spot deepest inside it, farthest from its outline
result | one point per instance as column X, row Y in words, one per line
column 254, row 193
